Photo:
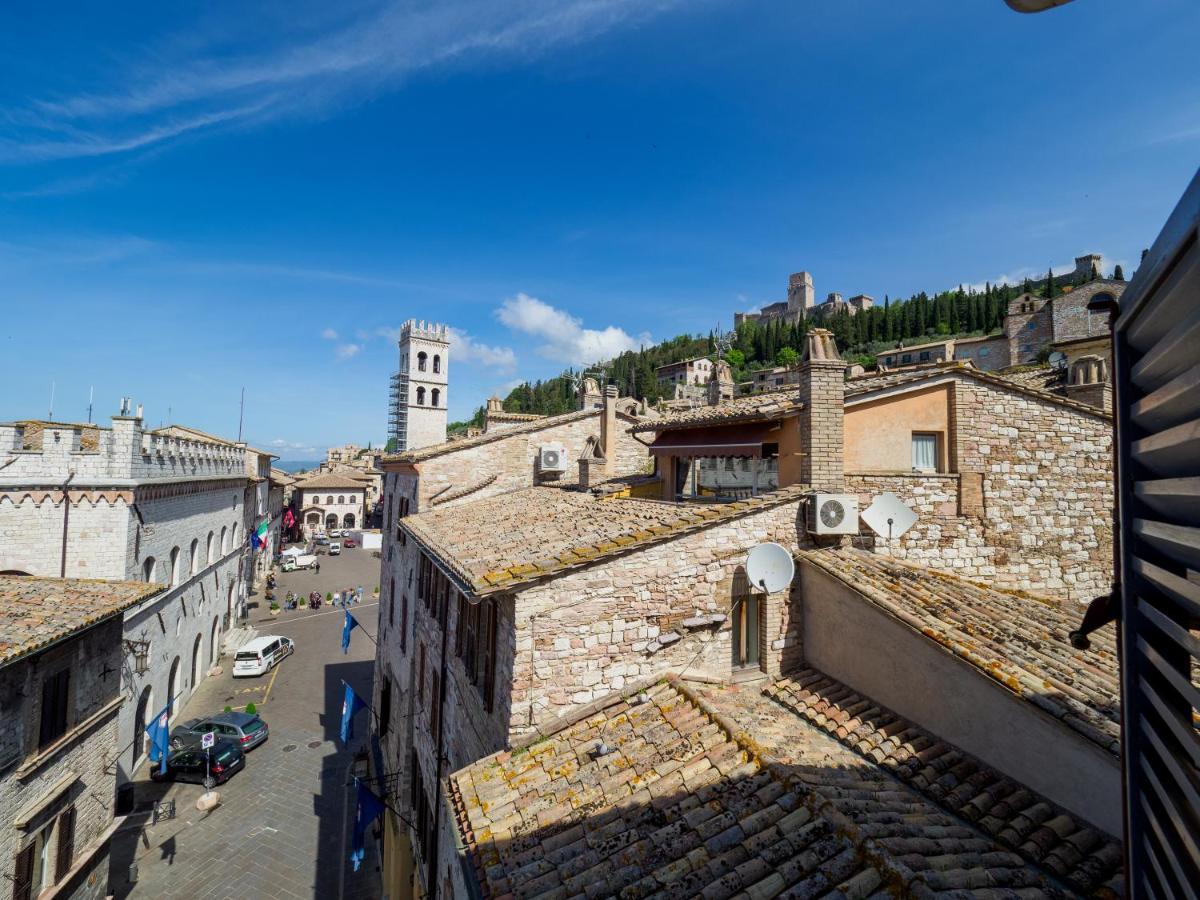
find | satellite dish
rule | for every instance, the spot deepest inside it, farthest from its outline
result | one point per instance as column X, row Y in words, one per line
column 1057, row 359
column 770, row 567
column 889, row 516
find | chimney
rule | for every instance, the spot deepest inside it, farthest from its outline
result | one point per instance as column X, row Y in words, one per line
column 608, row 424
column 822, row 392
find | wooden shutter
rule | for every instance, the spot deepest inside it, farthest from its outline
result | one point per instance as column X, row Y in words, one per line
column 54, row 707
column 66, row 843
column 1157, row 368
column 489, row 661
column 435, row 707
column 23, row 874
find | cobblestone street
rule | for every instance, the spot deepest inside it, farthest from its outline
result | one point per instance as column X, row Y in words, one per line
column 283, row 827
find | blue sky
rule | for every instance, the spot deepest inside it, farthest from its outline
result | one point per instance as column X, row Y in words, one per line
column 208, row 197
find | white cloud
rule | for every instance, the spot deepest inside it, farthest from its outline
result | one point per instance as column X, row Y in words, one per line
column 292, row 446
column 348, row 351
column 329, row 334
column 297, row 75
column 566, row 340
column 464, row 348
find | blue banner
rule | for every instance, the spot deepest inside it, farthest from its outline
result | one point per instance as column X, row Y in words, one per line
column 159, row 732
column 351, row 703
column 350, row 624
column 368, row 809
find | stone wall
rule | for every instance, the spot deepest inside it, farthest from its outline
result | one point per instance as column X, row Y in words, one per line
column 94, row 660
column 508, row 463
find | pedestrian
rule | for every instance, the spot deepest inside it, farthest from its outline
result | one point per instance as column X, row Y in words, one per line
column 337, row 598
column 317, row 566
column 358, row 594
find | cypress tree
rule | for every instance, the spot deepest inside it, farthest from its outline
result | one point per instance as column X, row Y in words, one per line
column 1118, row 273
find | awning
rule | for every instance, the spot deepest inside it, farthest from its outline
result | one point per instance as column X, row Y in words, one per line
column 732, row 440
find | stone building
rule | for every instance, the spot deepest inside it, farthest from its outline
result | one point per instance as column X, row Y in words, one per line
column 507, row 458
column 513, row 615
column 62, row 651
column 496, row 418
column 695, row 372
column 327, row 502
column 122, row 503
column 419, row 387
column 800, row 300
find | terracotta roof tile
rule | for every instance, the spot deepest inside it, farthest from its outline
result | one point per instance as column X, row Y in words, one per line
column 1016, row 639
column 35, row 612
column 331, row 481
column 538, row 424
column 1021, row 820
column 767, row 406
column 493, row 541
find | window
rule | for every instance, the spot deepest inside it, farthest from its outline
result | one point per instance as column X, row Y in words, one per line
column 420, row 396
column 208, row 550
column 195, row 557
column 435, row 706
column 174, row 566
column 342, row 499
column 329, row 500
column 404, row 623
column 924, row 356
column 55, row 697
column 421, row 360
column 32, row 874
column 434, row 396
column 148, row 569
column 889, row 360
column 385, row 706
column 437, row 365
column 906, row 358
column 475, row 644
column 924, row 452
column 224, row 542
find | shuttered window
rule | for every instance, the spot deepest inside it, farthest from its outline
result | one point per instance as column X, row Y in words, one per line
column 1157, row 353
column 23, row 874
column 55, row 694
column 66, row 844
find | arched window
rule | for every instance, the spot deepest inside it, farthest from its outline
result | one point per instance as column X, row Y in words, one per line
column 437, row 364
column 174, row 566
column 141, row 741
column 342, row 499
column 237, row 533
column 224, row 541
column 434, row 396
column 195, row 557
column 329, row 500
column 173, row 688
column 420, row 396
column 209, row 550
column 421, row 360
column 148, row 569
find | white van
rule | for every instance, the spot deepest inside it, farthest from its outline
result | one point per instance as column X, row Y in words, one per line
column 259, row 656
column 335, row 548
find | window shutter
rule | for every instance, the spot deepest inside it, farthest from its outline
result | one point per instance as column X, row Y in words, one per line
column 66, row 843
column 489, row 664
column 23, row 874
column 1156, row 341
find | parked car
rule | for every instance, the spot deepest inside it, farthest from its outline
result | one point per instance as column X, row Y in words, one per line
column 321, row 539
column 349, row 543
column 335, row 533
column 335, row 548
column 244, row 729
column 261, row 655
column 193, row 764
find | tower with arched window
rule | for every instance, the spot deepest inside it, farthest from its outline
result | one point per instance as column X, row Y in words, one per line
column 418, row 408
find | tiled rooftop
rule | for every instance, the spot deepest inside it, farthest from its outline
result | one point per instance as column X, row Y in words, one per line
column 331, row 481
column 1019, row 819
column 1016, row 639
column 412, row 456
column 498, row 542
column 36, row 612
column 716, row 792
column 764, row 407
column 1041, row 378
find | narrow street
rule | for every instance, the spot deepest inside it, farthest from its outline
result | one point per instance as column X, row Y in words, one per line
column 282, row 829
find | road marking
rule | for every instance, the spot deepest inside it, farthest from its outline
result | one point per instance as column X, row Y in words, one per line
column 271, row 685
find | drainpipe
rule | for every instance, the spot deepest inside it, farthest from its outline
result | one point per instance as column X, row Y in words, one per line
column 62, row 569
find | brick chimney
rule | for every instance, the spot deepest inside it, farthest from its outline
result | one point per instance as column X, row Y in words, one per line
column 822, row 392
column 608, row 424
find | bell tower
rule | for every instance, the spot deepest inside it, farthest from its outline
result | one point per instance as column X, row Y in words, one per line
column 419, row 387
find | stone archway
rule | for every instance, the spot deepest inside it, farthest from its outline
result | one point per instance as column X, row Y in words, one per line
column 331, row 522
column 348, row 520
column 214, row 648
column 173, row 689
column 197, row 660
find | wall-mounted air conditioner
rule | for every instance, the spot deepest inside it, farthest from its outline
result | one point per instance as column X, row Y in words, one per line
column 552, row 459
column 833, row 514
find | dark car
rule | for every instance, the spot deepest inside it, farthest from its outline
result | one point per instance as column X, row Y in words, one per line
column 192, row 764
column 244, row 729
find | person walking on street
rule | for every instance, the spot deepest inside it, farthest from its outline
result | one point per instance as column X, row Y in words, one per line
column 317, row 566
column 358, row 594
column 337, row 598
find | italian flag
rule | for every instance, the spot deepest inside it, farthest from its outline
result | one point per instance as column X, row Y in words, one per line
column 259, row 538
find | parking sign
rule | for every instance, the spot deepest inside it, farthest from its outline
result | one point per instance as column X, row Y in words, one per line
column 208, row 739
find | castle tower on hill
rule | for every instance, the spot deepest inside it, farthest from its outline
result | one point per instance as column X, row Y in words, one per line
column 419, row 388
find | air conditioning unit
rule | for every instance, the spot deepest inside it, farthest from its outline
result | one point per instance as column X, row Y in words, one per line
column 833, row 514
column 552, row 459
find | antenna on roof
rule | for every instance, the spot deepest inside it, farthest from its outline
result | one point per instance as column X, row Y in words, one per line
column 51, row 416
column 241, row 413
column 91, row 397
column 770, row 567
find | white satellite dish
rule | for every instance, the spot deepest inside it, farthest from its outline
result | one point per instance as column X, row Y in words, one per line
column 770, row 567
column 889, row 516
column 1057, row 359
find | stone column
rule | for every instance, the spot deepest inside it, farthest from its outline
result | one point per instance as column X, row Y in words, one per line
column 822, row 391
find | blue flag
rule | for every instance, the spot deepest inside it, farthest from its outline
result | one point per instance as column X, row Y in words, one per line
column 351, row 623
column 351, row 704
column 159, row 732
column 369, row 808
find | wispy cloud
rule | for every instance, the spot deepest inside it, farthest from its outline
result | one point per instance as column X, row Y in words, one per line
column 302, row 77
column 77, row 249
column 465, row 349
column 348, row 351
column 564, row 337
column 297, row 447
column 329, row 334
